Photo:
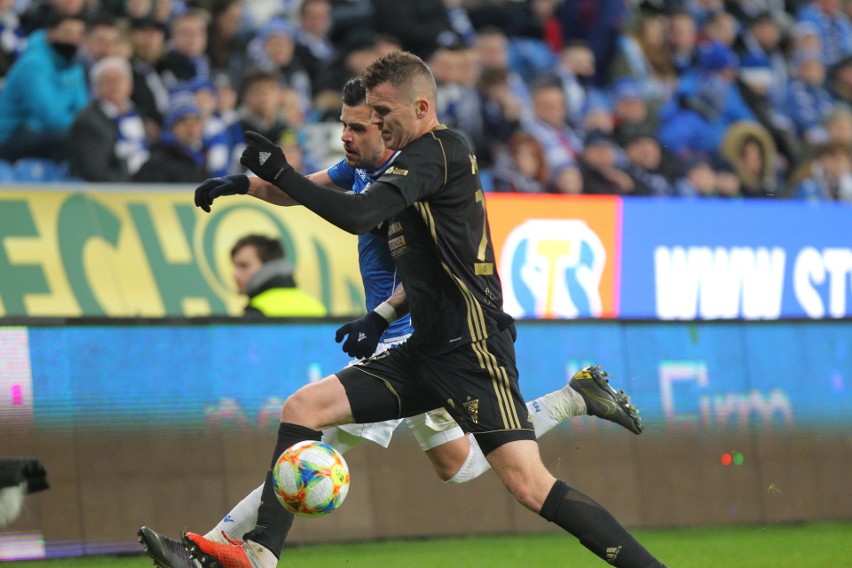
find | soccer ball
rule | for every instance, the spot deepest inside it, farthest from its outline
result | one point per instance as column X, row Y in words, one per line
column 311, row 479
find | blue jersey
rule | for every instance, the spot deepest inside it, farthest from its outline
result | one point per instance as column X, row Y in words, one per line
column 378, row 271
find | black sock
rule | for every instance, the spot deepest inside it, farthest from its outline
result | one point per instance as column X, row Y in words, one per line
column 273, row 520
column 596, row 528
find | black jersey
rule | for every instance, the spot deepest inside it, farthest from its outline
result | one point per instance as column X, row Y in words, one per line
column 441, row 243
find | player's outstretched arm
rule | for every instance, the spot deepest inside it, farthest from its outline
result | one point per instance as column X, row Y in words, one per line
column 241, row 184
column 355, row 213
column 268, row 192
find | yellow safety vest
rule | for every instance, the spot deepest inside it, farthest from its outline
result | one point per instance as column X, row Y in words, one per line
column 288, row 302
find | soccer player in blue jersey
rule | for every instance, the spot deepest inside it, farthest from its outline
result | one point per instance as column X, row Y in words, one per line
column 456, row 457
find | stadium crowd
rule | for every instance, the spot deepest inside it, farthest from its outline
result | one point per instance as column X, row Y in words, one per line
column 690, row 98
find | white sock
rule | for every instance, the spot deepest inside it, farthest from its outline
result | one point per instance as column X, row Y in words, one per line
column 474, row 466
column 551, row 409
column 241, row 519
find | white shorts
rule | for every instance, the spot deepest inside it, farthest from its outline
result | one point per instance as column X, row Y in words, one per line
column 431, row 429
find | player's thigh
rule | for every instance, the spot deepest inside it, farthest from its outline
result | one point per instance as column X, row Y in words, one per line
column 318, row 405
column 386, row 387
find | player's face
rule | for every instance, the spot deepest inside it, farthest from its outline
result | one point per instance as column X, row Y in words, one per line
column 394, row 114
column 246, row 264
column 362, row 141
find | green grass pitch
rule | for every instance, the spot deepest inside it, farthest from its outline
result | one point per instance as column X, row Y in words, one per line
column 815, row 545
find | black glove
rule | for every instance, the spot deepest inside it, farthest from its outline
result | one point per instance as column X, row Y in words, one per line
column 263, row 157
column 216, row 187
column 364, row 335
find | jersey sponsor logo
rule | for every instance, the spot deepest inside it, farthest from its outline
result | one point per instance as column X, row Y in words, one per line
column 393, row 170
column 552, row 268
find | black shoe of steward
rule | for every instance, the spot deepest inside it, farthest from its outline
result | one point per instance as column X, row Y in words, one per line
column 164, row 551
column 603, row 401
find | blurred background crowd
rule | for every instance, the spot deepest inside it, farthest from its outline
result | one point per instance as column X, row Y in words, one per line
column 686, row 98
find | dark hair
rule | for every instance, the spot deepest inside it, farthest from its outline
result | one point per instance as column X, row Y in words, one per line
column 101, row 21
column 267, row 248
column 354, row 93
column 257, row 75
column 55, row 18
column 397, row 68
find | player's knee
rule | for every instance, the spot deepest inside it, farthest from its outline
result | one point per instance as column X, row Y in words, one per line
column 526, row 494
column 298, row 409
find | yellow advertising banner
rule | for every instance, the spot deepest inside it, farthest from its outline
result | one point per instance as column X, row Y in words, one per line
column 153, row 253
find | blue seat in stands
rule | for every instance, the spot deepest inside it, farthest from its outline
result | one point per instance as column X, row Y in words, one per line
column 7, row 172
column 36, row 170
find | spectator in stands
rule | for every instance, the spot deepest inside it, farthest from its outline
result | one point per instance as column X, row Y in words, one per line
column 683, row 42
column 186, row 58
column 12, row 38
column 761, row 41
column 756, row 82
column 576, row 73
column 223, row 141
column 150, row 95
column 648, row 164
column 107, row 140
column 838, row 124
column 261, row 109
column 644, row 57
column 630, row 111
column 355, row 52
column 598, row 166
column 492, row 46
column 705, row 104
column 521, row 166
column 43, row 92
column 599, row 24
column 544, row 12
column 313, row 46
column 840, row 80
column 698, row 178
column 501, row 110
column 274, row 49
column 828, row 177
column 549, row 126
column 703, row 10
column 262, row 273
column 834, row 28
column 225, row 45
column 808, row 101
column 722, row 27
column 39, row 14
column 416, row 24
column 728, row 182
column 805, row 35
column 179, row 155
column 751, row 151
column 597, row 116
column 101, row 40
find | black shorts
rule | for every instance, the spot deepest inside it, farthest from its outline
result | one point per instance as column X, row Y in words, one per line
column 477, row 383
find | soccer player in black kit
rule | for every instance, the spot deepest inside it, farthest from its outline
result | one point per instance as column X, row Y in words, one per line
column 461, row 355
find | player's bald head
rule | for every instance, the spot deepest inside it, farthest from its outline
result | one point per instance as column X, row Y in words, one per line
column 404, row 71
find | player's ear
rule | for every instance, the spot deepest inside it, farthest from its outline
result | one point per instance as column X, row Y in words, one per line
column 422, row 107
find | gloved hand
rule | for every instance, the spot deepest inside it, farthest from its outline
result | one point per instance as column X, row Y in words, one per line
column 216, row 187
column 263, row 157
column 364, row 335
